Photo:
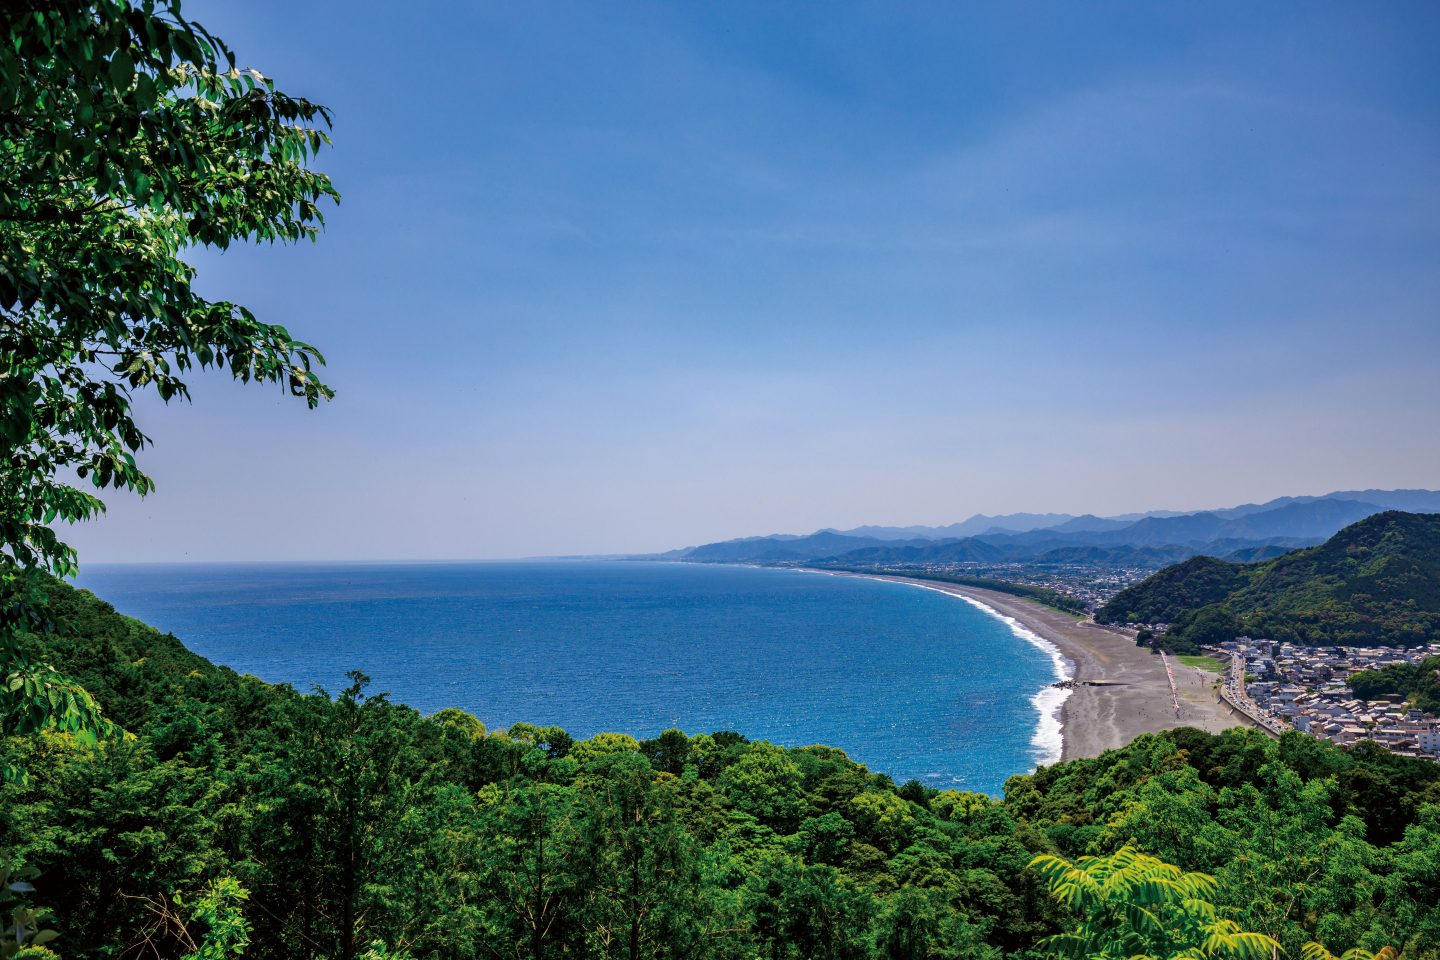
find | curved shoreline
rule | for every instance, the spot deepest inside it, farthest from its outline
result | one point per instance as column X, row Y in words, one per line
column 1135, row 697
column 1049, row 701
column 1048, row 742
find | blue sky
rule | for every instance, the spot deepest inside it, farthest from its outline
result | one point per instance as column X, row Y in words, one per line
column 623, row 277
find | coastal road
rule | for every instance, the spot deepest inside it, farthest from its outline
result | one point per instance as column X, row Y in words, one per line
column 1235, row 695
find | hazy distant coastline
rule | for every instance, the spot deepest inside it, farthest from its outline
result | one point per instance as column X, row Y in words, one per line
column 1244, row 533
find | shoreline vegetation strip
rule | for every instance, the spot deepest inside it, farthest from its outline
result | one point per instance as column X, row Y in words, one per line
column 1041, row 595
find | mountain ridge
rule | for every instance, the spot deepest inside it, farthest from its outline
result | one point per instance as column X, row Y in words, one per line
column 1250, row 532
column 1375, row 581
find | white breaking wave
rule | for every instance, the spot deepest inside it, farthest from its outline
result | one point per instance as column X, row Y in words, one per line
column 1048, row 743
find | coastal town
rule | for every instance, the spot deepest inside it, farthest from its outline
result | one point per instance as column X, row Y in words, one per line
column 1282, row 686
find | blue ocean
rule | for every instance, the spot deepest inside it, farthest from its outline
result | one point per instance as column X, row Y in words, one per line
column 911, row 682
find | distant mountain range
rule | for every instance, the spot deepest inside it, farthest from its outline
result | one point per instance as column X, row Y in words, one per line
column 1375, row 581
column 978, row 524
column 1248, row 533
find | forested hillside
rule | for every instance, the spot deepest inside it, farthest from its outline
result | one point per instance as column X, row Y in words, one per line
column 1167, row 595
column 1376, row 581
column 323, row 824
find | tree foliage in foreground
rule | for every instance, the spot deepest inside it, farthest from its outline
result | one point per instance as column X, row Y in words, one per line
column 355, row 824
column 1135, row 907
column 128, row 136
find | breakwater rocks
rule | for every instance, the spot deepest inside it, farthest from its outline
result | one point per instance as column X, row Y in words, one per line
column 1072, row 684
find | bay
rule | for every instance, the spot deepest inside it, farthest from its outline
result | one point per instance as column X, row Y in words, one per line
column 911, row 682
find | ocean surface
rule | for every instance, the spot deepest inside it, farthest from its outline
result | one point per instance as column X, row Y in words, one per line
column 912, row 682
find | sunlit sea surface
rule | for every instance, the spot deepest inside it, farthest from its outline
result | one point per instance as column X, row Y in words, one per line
column 910, row 682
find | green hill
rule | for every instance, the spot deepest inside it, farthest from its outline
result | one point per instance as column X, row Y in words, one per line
column 1376, row 581
column 1168, row 594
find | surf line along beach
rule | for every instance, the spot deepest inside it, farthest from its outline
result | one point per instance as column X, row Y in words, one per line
column 1120, row 690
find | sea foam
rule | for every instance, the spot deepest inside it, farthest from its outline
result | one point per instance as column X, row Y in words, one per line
column 1048, row 743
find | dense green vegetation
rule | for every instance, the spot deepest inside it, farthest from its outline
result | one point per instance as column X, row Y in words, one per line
column 1417, row 682
column 1376, row 581
column 327, row 823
